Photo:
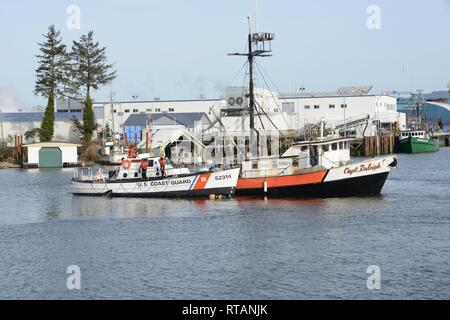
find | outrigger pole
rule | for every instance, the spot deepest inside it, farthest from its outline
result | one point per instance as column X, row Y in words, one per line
column 259, row 45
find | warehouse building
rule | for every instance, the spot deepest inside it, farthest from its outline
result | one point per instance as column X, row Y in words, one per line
column 345, row 105
column 18, row 123
column 355, row 107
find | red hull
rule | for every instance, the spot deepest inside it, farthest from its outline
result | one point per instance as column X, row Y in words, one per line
column 281, row 181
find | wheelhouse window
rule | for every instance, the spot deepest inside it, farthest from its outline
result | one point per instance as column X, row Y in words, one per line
column 326, row 147
column 334, row 146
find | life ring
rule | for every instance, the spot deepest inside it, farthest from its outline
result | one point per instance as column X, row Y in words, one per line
column 126, row 164
column 98, row 175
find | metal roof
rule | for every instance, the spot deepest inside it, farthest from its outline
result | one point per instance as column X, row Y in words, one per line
column 343, row 91
column 37, row 116
column 188, row 119
column 157, row 101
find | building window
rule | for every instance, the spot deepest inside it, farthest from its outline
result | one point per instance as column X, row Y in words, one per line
column 135, row 110
column 275, row 110
column 288, row 107
column 171, row 109
column 343, row 106
column 316, row 107
column 331, row 106
column 149, row 110
column 157, row 110
column 307, row 107
column 115, row 111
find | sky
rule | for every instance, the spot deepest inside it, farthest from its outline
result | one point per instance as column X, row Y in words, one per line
column 177, row 49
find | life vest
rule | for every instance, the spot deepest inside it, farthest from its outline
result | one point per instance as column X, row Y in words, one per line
column 126, row 164
column 162, row 162
column 144, row 165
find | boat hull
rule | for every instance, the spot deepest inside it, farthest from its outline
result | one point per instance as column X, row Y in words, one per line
column 418, row 145
column 195, row 185
column 360, row 179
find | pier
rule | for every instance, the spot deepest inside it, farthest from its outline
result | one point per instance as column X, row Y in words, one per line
column 373, row 146
column 444, row 138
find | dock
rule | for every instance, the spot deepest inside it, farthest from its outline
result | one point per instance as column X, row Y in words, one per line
column 444, row 138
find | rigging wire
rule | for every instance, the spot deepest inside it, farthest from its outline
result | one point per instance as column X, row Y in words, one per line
column 271, row 92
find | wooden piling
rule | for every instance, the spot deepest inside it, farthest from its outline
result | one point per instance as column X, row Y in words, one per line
column 377, row 145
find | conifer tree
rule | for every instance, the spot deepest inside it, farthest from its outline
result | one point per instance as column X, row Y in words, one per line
column 53, row 65
column 90, row 71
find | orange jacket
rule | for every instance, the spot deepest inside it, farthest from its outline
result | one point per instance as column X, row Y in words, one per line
column 144, row 165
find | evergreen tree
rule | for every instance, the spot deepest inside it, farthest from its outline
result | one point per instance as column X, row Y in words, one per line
column 90, row 70
column 51, row 77
column 48, row 122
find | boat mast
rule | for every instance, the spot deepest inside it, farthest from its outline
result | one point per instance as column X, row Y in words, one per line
column 251, row 84
column 259, row 45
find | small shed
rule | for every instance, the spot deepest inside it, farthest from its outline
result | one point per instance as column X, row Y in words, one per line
column 51, row 154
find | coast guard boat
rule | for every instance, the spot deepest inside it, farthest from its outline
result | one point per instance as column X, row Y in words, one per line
column 128, row 181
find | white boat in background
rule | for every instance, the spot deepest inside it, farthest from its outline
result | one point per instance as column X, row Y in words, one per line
column 128, row 181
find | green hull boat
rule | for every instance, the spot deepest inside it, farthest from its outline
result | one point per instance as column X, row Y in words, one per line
column 418, row 145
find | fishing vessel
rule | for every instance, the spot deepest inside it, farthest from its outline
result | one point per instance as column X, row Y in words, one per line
column 321, row 168
column 129, row 180
column 417, row 141
column 318, row 168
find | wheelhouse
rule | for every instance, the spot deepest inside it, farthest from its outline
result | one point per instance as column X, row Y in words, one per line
column 305, row 156
column 412, row 134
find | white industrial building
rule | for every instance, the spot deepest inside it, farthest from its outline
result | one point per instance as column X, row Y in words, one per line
column 353, row 107
column 18, row 123
column 286, row 111
column 344, row 106
column 115, row 114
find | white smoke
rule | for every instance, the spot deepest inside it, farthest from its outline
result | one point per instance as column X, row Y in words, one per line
column 9, row 102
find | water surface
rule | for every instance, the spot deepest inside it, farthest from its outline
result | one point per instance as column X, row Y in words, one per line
column 232, row 249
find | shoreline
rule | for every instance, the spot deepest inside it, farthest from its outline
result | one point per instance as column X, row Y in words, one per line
column 8, row 165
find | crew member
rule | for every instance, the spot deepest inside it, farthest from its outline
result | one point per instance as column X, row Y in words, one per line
column 143, row 166
column 131, row 152
column 162, row 164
